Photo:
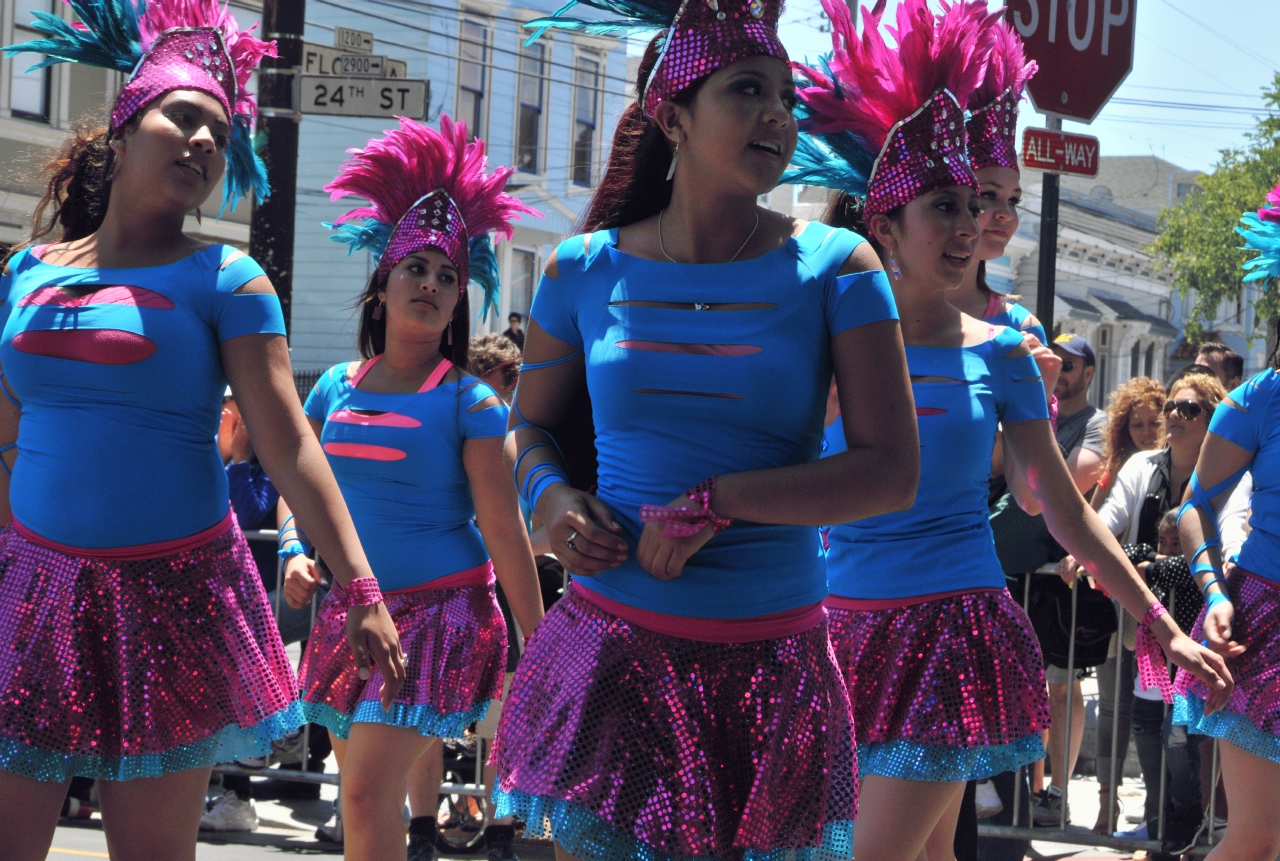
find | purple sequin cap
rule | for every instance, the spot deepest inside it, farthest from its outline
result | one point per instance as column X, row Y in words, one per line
column 992, row 131
column 183, row 58
column 924, row 152
column 707, row 35
column 434, row 221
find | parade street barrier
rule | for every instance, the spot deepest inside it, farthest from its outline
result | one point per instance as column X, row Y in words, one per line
column 1024, row 829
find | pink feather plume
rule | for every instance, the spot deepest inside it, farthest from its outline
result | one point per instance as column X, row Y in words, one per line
column 1007, row 68
column 394, row 171
column 875, row 85
column 246, row 51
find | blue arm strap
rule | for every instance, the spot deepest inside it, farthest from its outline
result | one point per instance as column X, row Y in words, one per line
column 3, row 449
column 515, row 472
column 4, row 386
column 546, row 478
column 285, row 541
column 534, row 366
column 1219, row 579
column 1203, row 499
column 545, row 467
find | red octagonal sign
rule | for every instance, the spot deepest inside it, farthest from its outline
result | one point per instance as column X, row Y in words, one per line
column 1084, row 48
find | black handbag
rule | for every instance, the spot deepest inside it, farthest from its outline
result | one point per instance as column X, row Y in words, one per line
column 1051, row 618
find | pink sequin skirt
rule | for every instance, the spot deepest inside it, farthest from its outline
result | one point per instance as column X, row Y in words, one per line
column 455, row 648
column 1251, row 719
column 947, row 690
column 122, row 669
column 619, row 743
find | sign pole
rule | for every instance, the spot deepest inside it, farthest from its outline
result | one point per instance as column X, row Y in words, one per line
column 272, row 228
column 1045, row 283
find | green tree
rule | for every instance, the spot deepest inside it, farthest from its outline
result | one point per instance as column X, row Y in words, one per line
column 1197, row 237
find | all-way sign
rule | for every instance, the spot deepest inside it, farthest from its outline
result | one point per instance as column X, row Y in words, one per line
column 1058, row 152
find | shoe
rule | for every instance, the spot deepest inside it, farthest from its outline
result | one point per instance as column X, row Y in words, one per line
column 1139, row 833
column 74, row 808
column 284, row 751
column 229, row 813
column 331, row 831
column 501, row 842
column 987, row 800
column 422, row 839
column 1047, row 811
column 282, row 789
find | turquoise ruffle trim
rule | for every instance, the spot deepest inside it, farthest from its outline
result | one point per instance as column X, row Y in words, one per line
column 589, row 837
column 941, row 763
column 426, row 720
column 1229, row 726
column 226, row 745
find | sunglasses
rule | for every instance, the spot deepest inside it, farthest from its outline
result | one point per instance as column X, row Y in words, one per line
column 1187, row 410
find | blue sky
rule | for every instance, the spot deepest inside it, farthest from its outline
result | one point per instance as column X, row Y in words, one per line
column 1214, row 53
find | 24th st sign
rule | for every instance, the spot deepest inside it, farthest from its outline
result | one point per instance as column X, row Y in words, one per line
column 1044, row 149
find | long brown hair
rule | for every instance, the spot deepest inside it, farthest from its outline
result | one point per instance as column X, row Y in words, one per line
column 78, row 188
column 1117, row 445
column 371, row 334
column 635, row 185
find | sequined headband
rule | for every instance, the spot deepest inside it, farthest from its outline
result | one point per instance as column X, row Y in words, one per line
column 433, row 221
column 924, row 152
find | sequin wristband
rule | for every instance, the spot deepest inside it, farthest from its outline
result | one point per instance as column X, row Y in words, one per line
column 683, row 522
column 1154, row 612
column 361, row 592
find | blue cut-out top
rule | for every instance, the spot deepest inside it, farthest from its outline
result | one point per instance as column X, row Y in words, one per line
column 1255, row 427
column 398, row 461
column 685, row 392
column 943, row 543
column 121, row 393
column 1015, row 316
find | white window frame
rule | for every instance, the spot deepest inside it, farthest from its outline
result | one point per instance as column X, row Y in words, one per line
column 486, row 65
column 540, row 155
column 593, row 179
column 511, row 251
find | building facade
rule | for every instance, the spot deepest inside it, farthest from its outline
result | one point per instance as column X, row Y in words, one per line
column 548, row 109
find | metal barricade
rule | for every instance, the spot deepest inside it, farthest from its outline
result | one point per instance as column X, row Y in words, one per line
column 1029, row 831
column 301, row 775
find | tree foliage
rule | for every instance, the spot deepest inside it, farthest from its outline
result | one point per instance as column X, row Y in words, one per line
column 1197, row 237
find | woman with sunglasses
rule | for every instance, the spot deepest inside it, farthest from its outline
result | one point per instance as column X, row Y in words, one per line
column 1148, row 485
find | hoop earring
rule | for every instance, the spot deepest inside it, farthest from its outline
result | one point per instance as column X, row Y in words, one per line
column 671, row 171
column 377, row 311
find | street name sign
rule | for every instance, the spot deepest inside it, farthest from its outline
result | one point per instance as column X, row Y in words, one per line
column 1084, row 49
column 364, row 97
column 354, row 41
column 1044, row 149
column 322, row 60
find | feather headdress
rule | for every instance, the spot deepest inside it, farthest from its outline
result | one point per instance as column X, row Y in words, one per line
column 166, row 45
column 1261, row 232
column 700, row 36
column 427, row 189
column 993, row 123
column 902, row 105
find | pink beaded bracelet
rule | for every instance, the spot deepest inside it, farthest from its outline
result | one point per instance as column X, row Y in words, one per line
column 361, row 592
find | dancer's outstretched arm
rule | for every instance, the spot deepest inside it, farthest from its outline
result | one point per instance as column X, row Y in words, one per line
column 1078, row 528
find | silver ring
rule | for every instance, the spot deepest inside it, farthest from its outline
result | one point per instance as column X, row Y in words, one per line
column 568, row 542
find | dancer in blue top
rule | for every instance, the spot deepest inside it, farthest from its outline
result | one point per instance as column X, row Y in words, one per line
column 135, row 637
column 1241, row 618
column 681, row 699
column 942, row 665
column 416, row 445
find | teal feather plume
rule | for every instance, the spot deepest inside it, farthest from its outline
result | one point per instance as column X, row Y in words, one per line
column 484, row 271
column 110, row 38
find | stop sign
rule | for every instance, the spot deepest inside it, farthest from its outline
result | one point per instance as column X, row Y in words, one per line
column 1084, row 48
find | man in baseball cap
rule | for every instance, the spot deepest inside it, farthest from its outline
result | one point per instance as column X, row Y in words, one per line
column 1080, row 425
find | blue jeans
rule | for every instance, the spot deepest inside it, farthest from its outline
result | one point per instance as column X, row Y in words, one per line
column 1153, row 731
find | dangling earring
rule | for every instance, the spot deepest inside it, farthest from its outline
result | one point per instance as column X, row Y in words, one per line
column 671, row 171
column 893, row 267
column 448, row 334
column 377, row 311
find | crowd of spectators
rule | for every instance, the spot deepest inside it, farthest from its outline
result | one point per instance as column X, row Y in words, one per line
column 1133, row 462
